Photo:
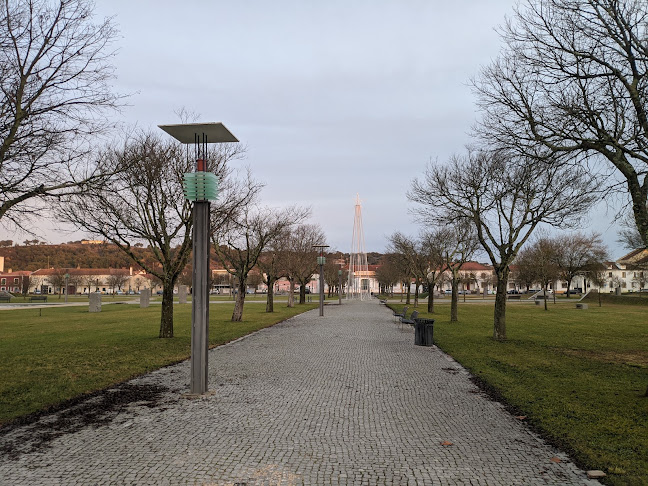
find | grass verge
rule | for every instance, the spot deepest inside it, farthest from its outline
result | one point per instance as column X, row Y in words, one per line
column 51, row 355
column 578, row 375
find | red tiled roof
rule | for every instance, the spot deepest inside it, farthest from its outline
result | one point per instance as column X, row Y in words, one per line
column 475, row 266
column 15, row 274
column 83, row 271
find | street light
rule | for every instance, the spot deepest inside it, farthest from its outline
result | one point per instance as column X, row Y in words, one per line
column 340, row 287
column 321, row 260
column 200, row 187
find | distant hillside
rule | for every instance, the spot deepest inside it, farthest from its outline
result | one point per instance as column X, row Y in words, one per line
column 33, row 257
column 74, row 254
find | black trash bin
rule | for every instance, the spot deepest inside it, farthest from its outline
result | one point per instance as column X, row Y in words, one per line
column 424, row 332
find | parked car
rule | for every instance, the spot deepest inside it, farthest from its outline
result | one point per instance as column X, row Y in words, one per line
column 447, row 291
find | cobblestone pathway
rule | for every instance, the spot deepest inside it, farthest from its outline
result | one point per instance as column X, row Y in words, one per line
column 341, row 399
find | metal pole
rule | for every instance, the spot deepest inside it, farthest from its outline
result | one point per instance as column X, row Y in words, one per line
column 67, row 276
column 200, row 298
column 321, row 289
column 340, row 287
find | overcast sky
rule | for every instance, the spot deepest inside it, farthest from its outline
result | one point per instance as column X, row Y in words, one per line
column 332, row 98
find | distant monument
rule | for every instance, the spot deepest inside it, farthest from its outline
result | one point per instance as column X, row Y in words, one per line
column 358, row 287
column 94, row 300
column 145, row 298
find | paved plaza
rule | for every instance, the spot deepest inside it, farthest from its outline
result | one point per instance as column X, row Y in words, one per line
column 341, row 399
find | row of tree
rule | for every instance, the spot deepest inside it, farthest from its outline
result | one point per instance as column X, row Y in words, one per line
column 565, row 257
column 567, row 93
column 426, row 259
column 563, row 122
column 55, row 106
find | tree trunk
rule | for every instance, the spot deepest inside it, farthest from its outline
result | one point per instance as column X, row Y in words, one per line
column 430, row 306
column 499, row 322
column 544, row 293
column 302, row 294
column 416, row 292
column 454, row 303
column 166, row 321
column 237, row 315
column 270, row 298
column 291, row 294
column 599, row 296
column 568, row 285
column 408, row 299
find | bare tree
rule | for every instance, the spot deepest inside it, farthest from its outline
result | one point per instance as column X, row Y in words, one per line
column 331, row 275
column 301, row 258
column 115, row 281
column 388, row 274
column 242, row 238
column 255, row 279
column 88, row 281
column 459, row 244
column 640, row 277
column 55, row 88
column 270, row 264
column 36, row 282
column 598, row 276
column 402, row 249
column 433, row 246
column 572, row 80
column 405, row 247
column 146, row 203
column 423, row 257
column 576, row 253
column 57, row 280
column 26, row 283
column 522, row 272
column 540, row 258
column 73, row 281
column 505, row 199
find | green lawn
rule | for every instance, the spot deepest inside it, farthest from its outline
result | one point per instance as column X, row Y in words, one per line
column 54, row 354
column 578, row 375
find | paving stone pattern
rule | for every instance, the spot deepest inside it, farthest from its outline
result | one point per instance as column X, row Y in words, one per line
column 341, row 399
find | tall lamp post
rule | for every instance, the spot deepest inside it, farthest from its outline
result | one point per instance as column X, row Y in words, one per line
column 340, row 287
column 321, row 260
column 200, row 187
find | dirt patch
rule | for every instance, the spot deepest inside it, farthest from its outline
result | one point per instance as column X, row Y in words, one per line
column 632, row 358
column 37, row 431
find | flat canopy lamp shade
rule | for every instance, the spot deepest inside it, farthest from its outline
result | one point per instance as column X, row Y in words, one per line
column 214, row 132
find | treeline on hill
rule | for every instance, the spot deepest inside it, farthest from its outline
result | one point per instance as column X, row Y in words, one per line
column 37, row 254
column 71, row 255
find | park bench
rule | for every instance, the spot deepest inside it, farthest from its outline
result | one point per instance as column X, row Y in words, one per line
column 411, row 320
column 401, row 315
column 38, row 298
column 513, row 297
column 5, row 298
